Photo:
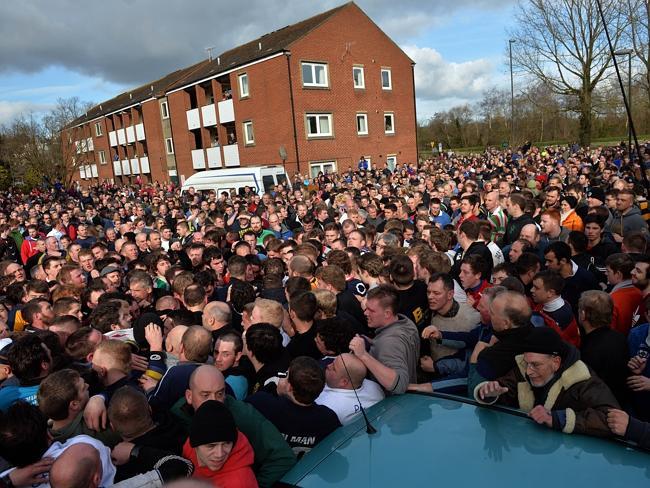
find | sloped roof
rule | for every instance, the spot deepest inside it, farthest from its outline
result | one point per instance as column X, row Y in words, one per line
column 270, row 43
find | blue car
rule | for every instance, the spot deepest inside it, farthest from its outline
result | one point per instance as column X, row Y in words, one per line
column 443, row 440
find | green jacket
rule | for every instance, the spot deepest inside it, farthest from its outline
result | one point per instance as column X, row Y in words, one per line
column 79, row 427
column 273, row 456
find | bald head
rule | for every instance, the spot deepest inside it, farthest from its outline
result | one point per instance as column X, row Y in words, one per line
column 78, row 466
column 196, row 344
column 167, row 303
column 206, row 383
column 216, row 315
column 336, row 375
column 510, row 310
column 174, row 339
column 530, row 232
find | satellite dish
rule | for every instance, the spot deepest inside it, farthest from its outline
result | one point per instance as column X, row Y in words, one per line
column 283, row 153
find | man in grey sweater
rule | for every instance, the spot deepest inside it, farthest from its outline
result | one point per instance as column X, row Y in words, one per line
column 393, row 353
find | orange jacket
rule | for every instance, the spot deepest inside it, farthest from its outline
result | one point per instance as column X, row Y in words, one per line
column 573, row 222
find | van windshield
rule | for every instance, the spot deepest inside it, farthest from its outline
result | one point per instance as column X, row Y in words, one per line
column 282, row 179
column 268, row 182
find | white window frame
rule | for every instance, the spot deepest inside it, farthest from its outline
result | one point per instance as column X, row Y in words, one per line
column 164, row 110
column 169, row 145
column 101, row 155
column 246, row 125
column 98, row 129
column 365, row 118
column 318, row 117
column 390, row 79
column 394, row 158
column 243, row 93
column 320, row 165
column 313, row 65
column 392, row 119
column 362, row 85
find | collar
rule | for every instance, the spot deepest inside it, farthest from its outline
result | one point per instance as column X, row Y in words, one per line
column 623, row 284
column 553, row 305
column 453, row 311
column 574, row 268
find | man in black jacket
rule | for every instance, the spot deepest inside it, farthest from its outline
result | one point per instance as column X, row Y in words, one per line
column 515, row 206
column 603, row 349
column 468, row 235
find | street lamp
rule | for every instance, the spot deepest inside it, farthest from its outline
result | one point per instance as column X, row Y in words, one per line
column 628, row 53
column 512, row 96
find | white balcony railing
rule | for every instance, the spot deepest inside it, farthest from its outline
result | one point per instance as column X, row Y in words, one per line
column 231, row 155
column 214, row 157
column 126, row 169
column 198, row 159
column 121, row 136
column 130, row 134
column 226, row 111
column 112, row 137
column 117, row 168
column 209, row 114
column 139, row 132
column 193, row 121
column 135, row 166
column 144, row 165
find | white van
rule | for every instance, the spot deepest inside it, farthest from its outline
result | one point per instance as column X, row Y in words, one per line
column 258, row 178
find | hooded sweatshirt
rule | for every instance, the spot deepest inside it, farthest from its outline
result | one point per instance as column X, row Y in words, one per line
column 235, row 473
column 631, row 221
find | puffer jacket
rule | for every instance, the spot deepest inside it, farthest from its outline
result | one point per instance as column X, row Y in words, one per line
column 578, row 400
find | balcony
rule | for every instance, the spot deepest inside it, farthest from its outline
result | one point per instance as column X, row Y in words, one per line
column 193, row 121
column 130, row 134
column 198, row 159
column 231, row 155
column 135, row 166
column 126, row 169
column 226, row 112
column 144, row 165
column 121, row 137
column 89, row 144
column 209, row 114
column 214, row 157
column 117, row 168
column 112, row 137
column 139, row 132
column 94, row 171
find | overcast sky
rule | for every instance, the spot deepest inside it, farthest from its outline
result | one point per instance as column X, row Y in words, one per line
column 96, row 49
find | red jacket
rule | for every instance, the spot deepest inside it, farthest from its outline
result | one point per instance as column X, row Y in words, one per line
column 477, row 293
column 236, row 473
column 28, row 249
column 626, row 302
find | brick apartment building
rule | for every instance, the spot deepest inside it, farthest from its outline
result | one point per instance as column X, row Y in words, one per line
column 313, row 96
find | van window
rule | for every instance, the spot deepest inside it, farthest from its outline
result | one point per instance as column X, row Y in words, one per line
column 268, row 182
column 282, row 179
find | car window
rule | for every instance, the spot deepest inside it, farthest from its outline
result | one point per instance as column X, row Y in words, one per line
column 268, row 182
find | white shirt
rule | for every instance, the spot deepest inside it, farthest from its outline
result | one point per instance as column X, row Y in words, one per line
column 344, row 403
column 57, row 448
column 497, row 254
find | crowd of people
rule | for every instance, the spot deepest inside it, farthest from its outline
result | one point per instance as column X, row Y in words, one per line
column 148, row 335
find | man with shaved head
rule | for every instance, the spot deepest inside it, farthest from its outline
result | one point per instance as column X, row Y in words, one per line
column 78, row 466
column 342, row 376
column 216, row 316
column 273, row 456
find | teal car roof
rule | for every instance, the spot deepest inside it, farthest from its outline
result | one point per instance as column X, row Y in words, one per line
column 439, row 440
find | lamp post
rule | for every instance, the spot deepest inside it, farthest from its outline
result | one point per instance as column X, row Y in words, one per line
column 628, row 53
column 512, row 96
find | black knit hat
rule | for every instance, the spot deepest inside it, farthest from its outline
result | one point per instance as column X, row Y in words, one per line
column 140, row 324
column 544, row 340
column 212, row 422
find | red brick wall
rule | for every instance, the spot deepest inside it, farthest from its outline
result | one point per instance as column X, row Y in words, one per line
column 179, row 103
column 350, row 38
column 155, row 141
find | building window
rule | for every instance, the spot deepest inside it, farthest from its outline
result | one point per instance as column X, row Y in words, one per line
column 389, row 123
column 249, row 137
column 362, row 124
column 391, row 161
column 386, row 79
column 327, row 167
column 164, row 109
column 169, row 144
column 319, row 125
column 98, row 129
column 314, row 75
column 243, row 86
column 358, row 77
column 102, row 157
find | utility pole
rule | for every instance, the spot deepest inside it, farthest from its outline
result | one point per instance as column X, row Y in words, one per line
column 512, row 96
column 628, row 53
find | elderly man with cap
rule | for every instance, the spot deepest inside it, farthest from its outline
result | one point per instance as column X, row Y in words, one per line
column 218, row 451
column 553, row 386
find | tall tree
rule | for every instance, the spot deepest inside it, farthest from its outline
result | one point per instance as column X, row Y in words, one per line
column 638, row 34
column 562, row 43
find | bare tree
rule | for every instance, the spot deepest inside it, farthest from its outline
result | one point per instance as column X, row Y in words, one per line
column 638, row 34
column 562, row 43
